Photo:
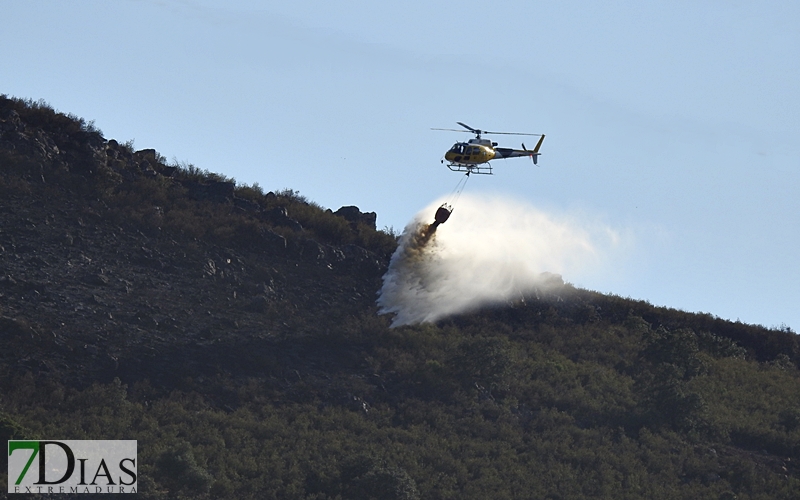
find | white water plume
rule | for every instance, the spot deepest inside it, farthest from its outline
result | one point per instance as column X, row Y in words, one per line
column 490, row 250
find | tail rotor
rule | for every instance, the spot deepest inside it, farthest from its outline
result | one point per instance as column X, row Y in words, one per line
column 533, row 155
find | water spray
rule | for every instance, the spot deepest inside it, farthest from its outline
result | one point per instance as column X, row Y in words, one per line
column 495, row 251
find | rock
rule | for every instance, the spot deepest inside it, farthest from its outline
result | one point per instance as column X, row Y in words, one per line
column 146, row 154
column 246, row 205
column 280, row 217
column 311, row 250
column 357, row 256
column 221, row 190
column 356, row 216
column 11, row 122
column 210, row 268
column 272, row 240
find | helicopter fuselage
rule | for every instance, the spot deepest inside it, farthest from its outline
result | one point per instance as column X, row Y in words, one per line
column 474, row 152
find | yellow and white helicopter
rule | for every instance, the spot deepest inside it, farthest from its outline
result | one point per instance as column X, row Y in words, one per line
column 474, row 156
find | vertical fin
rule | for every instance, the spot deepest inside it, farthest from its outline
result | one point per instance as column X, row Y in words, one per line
column 536, row 152
column 538, row 145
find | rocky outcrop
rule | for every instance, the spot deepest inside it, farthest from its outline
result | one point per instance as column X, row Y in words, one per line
column 355, row 216
column 15, row 138
column 65, row 142
column 280, row 217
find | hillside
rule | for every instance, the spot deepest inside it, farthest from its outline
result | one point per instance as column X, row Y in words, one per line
column 234, row 333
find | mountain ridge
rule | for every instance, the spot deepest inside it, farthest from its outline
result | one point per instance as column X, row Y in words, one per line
column 139, row 296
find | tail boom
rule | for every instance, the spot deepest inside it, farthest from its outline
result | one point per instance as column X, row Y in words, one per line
column 517, row 153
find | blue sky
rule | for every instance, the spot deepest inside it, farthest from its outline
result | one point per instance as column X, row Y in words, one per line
column 676, row 123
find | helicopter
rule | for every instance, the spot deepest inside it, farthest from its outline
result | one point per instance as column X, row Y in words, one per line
column 473, row 157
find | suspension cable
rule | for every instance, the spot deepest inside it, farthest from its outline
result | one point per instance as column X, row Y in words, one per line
column 458, row 189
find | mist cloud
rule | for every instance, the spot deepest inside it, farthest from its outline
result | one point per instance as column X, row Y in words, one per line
column 491, row 250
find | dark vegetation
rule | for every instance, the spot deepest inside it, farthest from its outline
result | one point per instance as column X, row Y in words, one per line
column 234, row 334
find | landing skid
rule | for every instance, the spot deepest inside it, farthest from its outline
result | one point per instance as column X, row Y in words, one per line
column 471, row 169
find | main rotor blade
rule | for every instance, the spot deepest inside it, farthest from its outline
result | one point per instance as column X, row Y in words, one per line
column 469, row 128
column 477, row 131
column 509, row 133
column 482, row 132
